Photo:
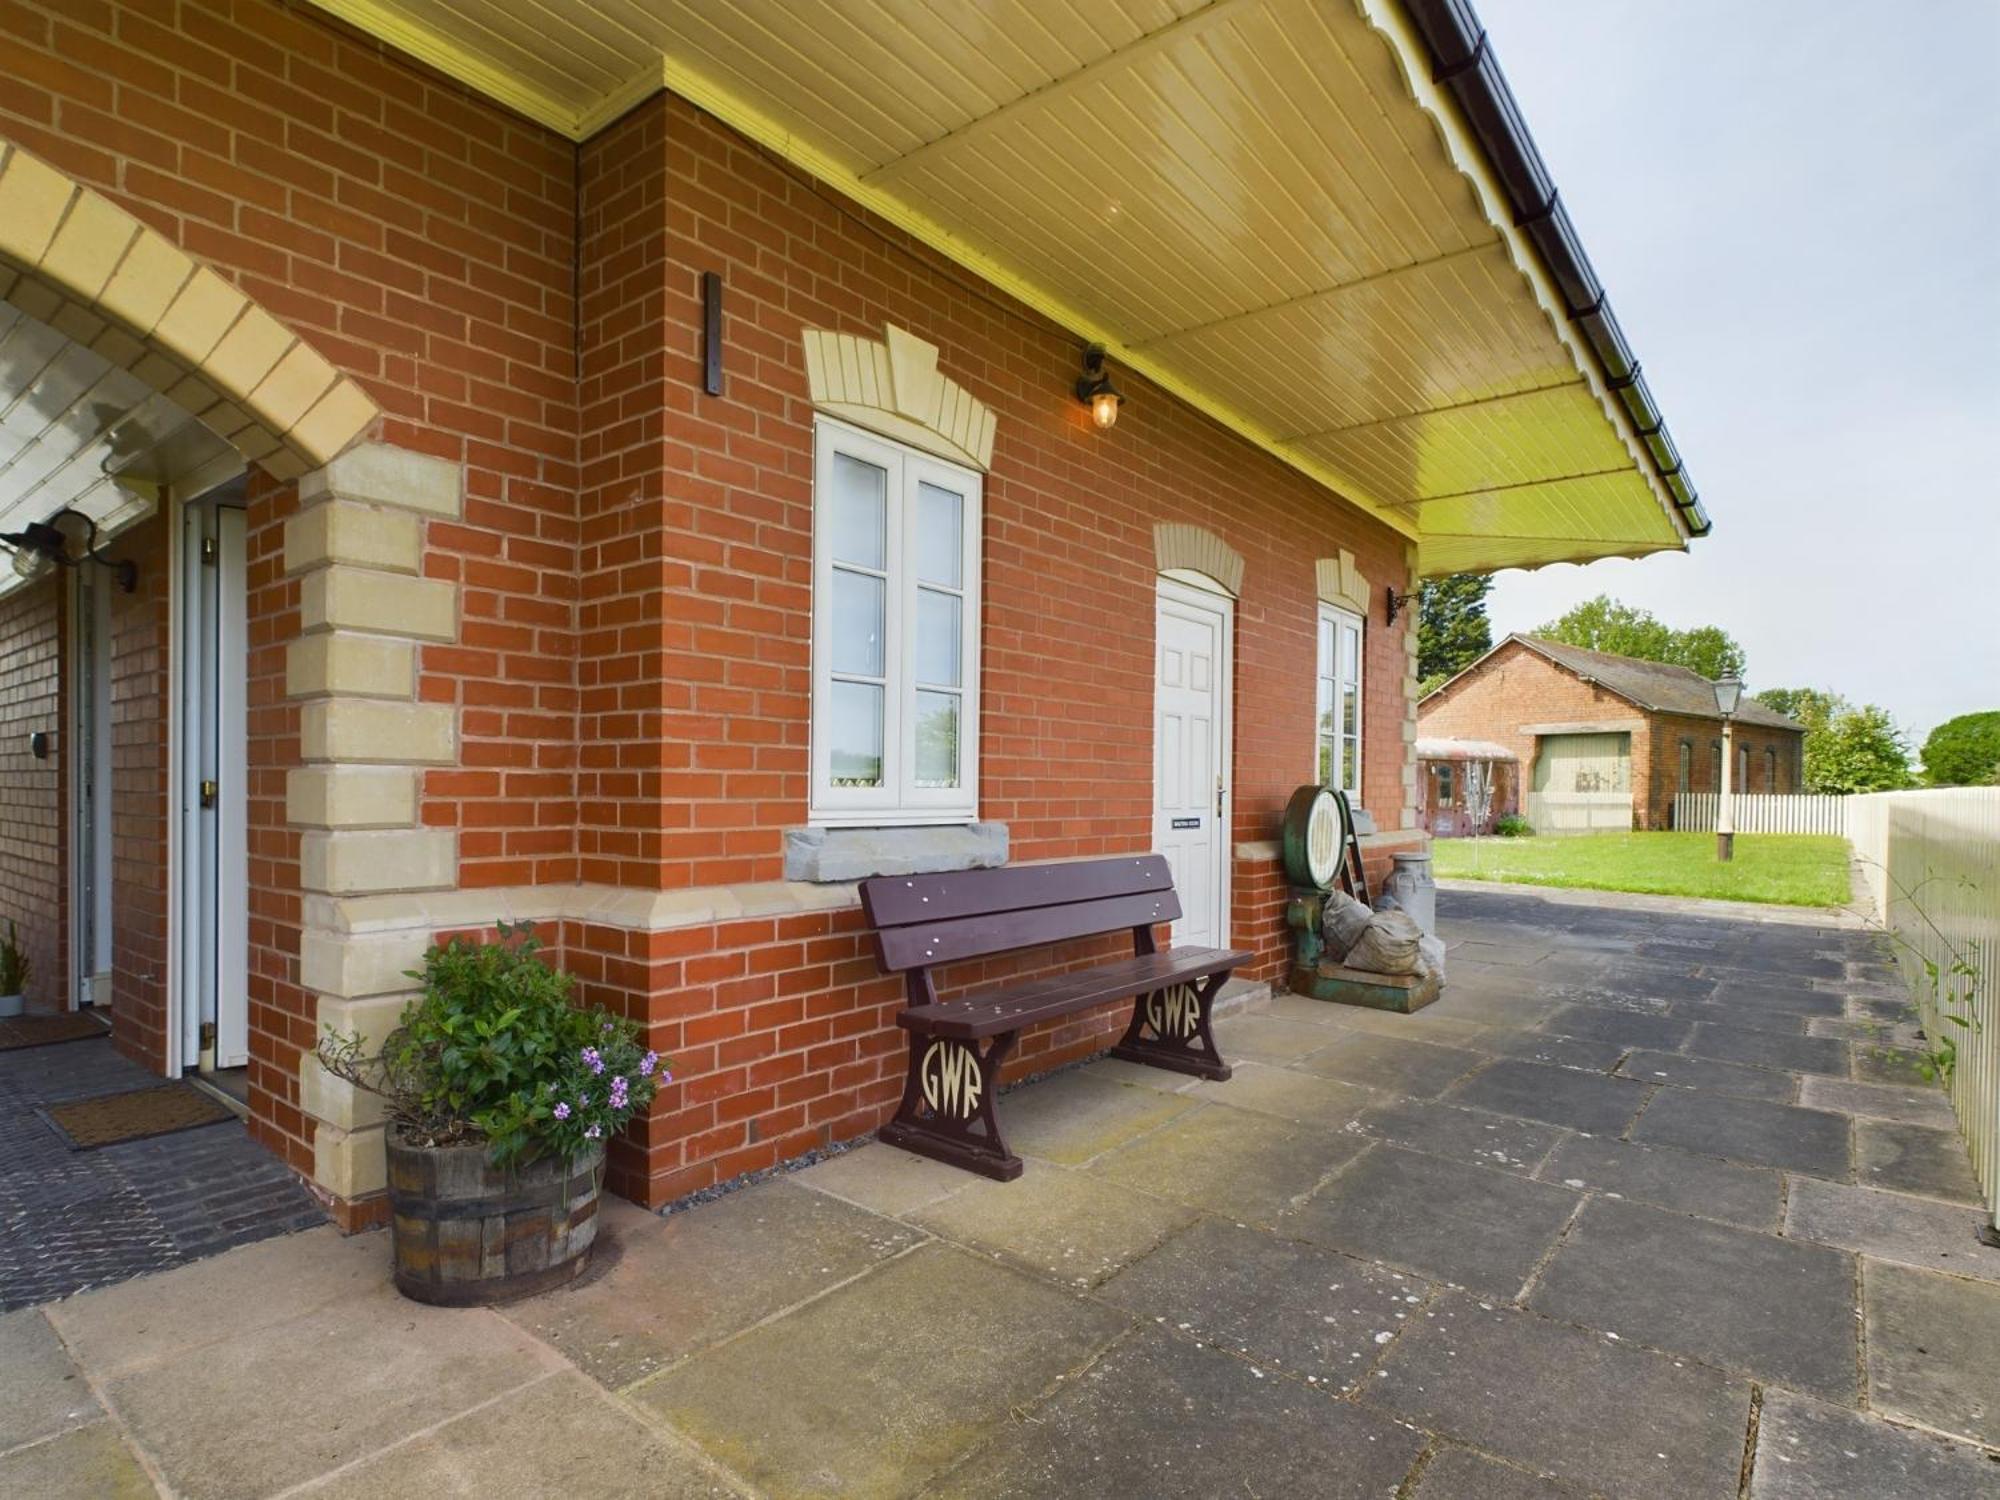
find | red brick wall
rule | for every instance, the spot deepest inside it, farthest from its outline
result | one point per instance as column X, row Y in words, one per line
column 33, row 875
column 1518, row 687
column 140, row 742
column 781, row 1029
column 421, row 239
column 1066, row 732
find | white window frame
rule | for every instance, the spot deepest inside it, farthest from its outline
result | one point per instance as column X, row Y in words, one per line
column 898, row 801
column 1324, row 671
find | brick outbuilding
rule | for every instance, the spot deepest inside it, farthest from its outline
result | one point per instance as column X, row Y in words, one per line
column 642, row 481
column 1598, row 736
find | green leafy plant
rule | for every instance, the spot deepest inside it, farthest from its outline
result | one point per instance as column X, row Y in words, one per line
column 1513, row 826
column 495, row 1051
column 15, row 970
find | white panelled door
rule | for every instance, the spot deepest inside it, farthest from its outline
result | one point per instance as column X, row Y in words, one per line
column 1191, row 756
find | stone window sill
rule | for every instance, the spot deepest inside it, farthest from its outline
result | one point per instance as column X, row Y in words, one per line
column 831, row 855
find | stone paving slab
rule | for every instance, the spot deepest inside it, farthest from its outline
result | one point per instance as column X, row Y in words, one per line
column 694, row 1279
column 1291, row 1095
column 328, row 1388
column 83, row 1463
column 1808, row 1450
column 1934, row 1349
column 1076, row 1116
column 1686, row 1072
column 1060, row 1223
column 1880, row 1101
column 876, row 1387
column 1455, row 1473
column 885, row 1180
column 1748, row 1196
column 1892, row 1226
column 1747, row 1130
column 1770, row 1049
column 1476, row 1136
column 42, row 1392
column 1418, row 1069
column 1772, row 1308
column 1158, row 1417
column 1555, row 1096
column 1568, row 1402
column 586, row 1444
column 1440, row 1219
column 1232, row 1162
column 1627, row 1028
column 1283, row 1305
column 1267, row 1038
column 1798, row 998
column 1918, row 1159
column 1776, row 1022
column 1559, row 1051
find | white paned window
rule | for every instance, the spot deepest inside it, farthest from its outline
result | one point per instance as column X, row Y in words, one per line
column 895, row 659
column 1339, row 701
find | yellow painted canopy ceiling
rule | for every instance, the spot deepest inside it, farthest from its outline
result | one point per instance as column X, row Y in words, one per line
column 1267, row 206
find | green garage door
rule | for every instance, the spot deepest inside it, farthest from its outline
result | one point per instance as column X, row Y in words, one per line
column 1583, row 782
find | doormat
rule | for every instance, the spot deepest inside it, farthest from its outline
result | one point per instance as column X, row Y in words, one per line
column 111, row 1118
column 39, row 1031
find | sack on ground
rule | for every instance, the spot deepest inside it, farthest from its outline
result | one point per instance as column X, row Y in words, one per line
column 1388, row 945
column 1342, row 920
column 1431, row 950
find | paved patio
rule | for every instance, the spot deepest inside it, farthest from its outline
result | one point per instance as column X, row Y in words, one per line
column 1650, row 1205
column 75, row 1219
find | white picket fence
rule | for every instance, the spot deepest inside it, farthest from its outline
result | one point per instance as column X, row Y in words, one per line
column 1931, row 861
column 1695, row 812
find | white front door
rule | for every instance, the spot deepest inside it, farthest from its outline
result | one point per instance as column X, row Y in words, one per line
column 213, row 900
column 90, row 787
column 1191, row 677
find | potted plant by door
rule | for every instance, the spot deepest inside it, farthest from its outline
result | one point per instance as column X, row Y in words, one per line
column 14, row 972
column 501, row 1096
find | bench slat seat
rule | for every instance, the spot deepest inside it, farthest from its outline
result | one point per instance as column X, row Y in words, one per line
column 995, row 1011
column 925, row 923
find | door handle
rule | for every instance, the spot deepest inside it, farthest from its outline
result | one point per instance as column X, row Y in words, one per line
column 1218, row 796
column 208, row 793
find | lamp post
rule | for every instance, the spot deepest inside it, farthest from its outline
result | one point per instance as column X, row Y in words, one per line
column 1728, row 693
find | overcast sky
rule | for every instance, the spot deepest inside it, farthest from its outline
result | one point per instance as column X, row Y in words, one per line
column 1795, row 206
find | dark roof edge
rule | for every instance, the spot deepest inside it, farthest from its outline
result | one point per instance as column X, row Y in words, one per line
column 1463, row 61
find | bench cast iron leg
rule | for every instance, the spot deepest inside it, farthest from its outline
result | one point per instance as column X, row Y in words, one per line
column 1178, row 1019
column 948, row 1091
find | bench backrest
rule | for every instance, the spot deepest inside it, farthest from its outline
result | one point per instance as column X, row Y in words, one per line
column 924, row 920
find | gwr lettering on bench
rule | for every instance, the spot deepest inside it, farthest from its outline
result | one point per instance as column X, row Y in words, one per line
column 923, row 923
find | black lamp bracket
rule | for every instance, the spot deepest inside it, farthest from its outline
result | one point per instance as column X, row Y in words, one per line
column 49, row 539
column 1398, row 603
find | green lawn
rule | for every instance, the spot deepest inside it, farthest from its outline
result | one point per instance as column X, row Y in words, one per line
column 1786, row 869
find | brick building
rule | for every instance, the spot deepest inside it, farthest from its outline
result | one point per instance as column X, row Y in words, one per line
column 1603, row 739
column 639, row 483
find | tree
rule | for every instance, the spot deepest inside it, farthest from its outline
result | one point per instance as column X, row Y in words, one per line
column 1603, row 624
column 1452, row 628
column 1964, row 751
column 1848, row 749
column 1860, row 750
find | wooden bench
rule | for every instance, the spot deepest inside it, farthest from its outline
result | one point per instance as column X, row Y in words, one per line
column 924, row 922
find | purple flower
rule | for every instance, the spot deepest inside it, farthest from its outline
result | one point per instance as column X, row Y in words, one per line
column 595, row 1058
column 605, row 1027
column 667, row 1075
column 562, row 1111
column 647, row 1063
column 593, row 1133
column 583, row 1101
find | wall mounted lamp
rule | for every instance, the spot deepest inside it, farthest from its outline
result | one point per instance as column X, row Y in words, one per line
column 42, row 545
column 1398, row 603
column 1095, row 390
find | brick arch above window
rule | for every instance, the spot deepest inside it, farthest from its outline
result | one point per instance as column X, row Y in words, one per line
column 894, row 388
column 1340, row 582
column 1196, row 549
column 74, row 260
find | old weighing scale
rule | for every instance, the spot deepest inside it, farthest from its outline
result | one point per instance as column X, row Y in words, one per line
column 1321, row 852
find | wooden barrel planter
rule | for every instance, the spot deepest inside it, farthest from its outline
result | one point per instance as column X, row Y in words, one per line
column 466, row 1232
